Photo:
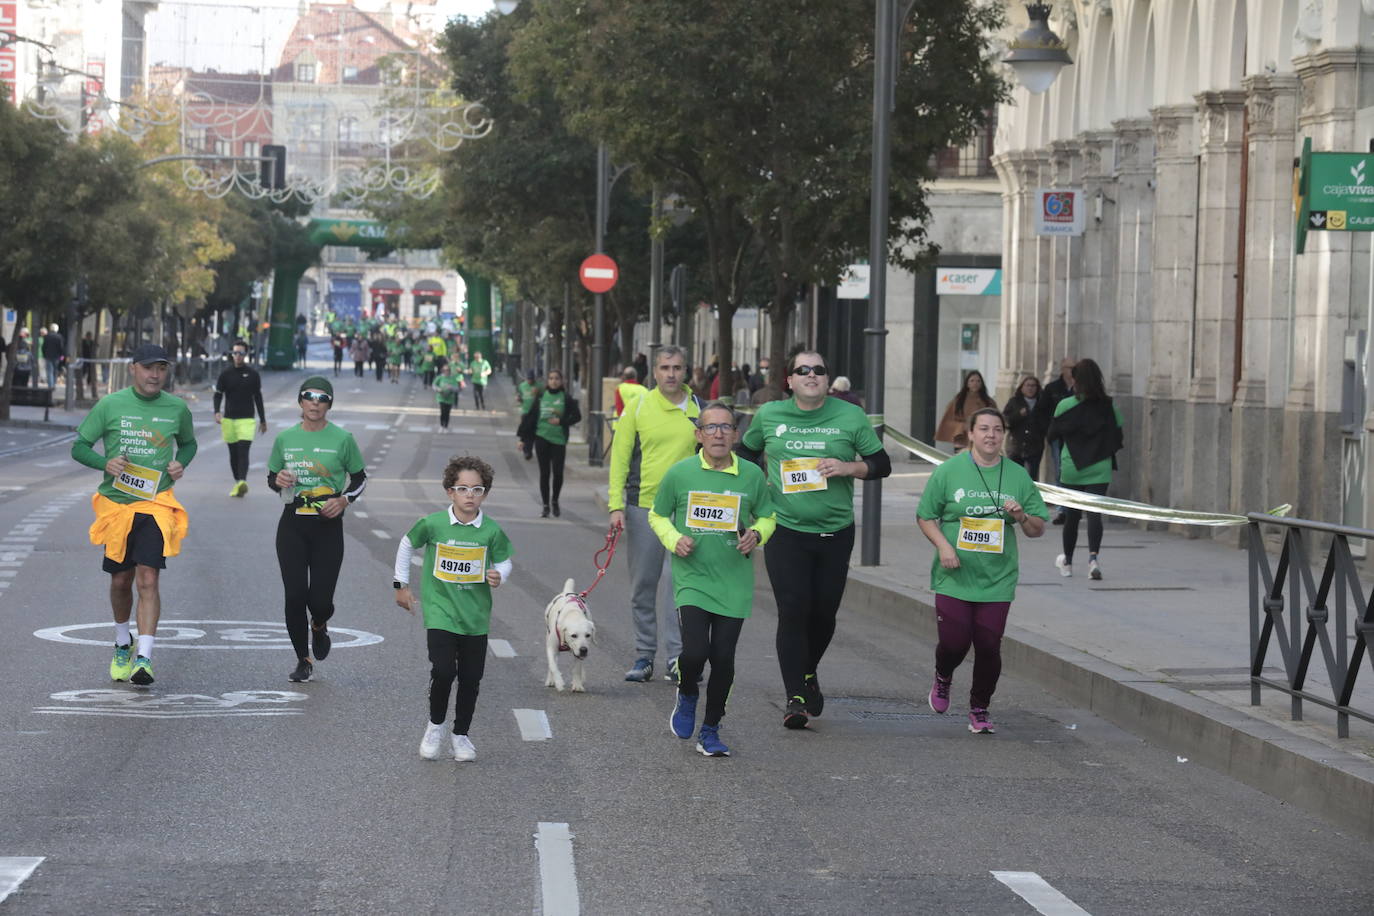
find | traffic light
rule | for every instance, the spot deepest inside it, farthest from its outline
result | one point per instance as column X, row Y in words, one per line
column 273, row 168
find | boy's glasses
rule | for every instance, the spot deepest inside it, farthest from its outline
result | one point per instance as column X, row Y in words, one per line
column 809, row 370
column 464, row 491
column 711, row 429
column 319, row 397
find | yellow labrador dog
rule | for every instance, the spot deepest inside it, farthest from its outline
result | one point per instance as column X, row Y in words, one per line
column 568, row 627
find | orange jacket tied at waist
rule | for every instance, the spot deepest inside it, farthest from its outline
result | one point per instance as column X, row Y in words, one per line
column 114, row 520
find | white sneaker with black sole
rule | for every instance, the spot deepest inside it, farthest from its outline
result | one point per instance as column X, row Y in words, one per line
column 1065, row 569
column 1094, row 571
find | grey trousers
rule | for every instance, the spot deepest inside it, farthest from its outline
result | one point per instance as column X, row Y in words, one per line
column 651, row 587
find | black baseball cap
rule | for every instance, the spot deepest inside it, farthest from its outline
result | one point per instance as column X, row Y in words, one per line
column 149, row 353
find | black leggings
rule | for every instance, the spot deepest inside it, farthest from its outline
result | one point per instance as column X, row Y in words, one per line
column 310, row 551
column 477, row 393
column 1094, row 522
column 238, row 458
column 551, row 458
column 358, row 368
column 808, row 573
column 707, row 636
column 453, row 657
column 444, row 411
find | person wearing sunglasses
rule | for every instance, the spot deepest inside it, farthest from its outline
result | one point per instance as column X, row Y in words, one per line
column 813, row 447
column 239, row 390
column 710, row 511
column 466, row 555
column 318, row 470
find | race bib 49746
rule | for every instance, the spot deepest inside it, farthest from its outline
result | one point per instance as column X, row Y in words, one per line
column 460, row 565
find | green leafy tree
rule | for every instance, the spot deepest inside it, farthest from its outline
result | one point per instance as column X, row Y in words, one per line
column 759, row 115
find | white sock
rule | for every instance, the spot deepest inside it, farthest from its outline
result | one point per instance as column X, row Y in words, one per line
column 122, row 636
column 145, row 645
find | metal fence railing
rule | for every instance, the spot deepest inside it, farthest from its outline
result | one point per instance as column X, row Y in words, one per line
column 1315, row 620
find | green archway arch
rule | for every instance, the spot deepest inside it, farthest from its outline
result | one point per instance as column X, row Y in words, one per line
column 364, row 234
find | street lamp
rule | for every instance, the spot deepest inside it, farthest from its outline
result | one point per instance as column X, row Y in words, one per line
column 506, row 7
column 1037, row 53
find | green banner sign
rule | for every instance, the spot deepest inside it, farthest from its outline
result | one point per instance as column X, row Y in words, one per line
column 1335, row 194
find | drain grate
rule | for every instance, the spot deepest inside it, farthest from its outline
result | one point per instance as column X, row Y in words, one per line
column 1141, row 588
column 873, row 715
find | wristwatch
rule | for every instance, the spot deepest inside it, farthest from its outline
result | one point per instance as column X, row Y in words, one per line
column 399, row 585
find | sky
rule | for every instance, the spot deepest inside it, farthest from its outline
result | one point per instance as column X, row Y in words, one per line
column 238, row 36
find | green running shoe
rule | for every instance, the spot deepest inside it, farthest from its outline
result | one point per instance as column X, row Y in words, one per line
column 122, row 665
column 143, row 671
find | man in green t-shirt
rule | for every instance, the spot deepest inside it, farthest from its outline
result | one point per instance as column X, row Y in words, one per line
column 813, row 447
column 479, row 370
column 710, row 512
column 147, row 440
column 466, row 555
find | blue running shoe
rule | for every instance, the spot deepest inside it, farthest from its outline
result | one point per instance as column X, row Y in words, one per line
column 642, row 671
column 684, row 718
column 709, row 743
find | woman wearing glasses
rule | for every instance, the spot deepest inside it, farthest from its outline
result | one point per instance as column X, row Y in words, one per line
column 813, row 447
column 318, row 470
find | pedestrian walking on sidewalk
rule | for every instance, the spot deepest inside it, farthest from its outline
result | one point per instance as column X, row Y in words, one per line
column 1089, row 425
column 1027, row 419
column 239, row 391
column 466, row 555
column 649, row 439
column 969, row 511
column 711, row 510
column 148, row 440
column 973, row 396
column 318, row 470
column 553, row 411
column 813, row 447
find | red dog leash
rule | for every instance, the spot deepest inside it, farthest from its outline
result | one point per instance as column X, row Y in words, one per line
column 612, row 538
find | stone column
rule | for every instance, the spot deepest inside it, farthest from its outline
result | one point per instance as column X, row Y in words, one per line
column 1097, row 319
column 1256, row 413
column 1066, row 262
column 1206, row 473
column 1174, row 270
column 1134, row 243
column 1025, row 267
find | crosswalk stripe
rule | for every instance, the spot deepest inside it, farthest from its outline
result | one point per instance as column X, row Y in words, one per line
column 14, row 871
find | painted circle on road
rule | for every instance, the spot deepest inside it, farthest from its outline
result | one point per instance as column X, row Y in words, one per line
column 208, row 634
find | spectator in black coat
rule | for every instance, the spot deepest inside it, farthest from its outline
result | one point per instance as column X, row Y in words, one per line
column 1028, row 418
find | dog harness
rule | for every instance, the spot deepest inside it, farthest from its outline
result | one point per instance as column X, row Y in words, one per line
column 558, row 623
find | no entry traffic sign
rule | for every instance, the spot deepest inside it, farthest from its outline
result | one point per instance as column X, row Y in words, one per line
column 598, row 273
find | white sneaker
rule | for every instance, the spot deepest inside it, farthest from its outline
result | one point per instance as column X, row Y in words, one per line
column 1094, row 571
column 433, row 739
column 463, row 749
column 1065, row 569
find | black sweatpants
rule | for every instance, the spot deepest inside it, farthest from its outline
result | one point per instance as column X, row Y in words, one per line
column 444, row 411
column 310, row 550
column 1071, row 517
column 551, row 458
column 478, row 395
column 454, row 657
column 808, row 573
column 707, row 636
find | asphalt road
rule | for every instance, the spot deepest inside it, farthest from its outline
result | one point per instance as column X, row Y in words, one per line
column 227, row 789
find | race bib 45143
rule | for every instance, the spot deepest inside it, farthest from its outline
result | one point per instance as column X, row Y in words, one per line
column 137, row 480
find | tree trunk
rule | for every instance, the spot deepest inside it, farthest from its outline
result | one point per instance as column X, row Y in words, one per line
column 779, row 316
column 725, row 349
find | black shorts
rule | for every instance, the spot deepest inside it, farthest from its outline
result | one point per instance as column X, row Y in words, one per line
column 143, row 548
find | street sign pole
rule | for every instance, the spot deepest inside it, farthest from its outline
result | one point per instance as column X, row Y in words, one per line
column 598, row 367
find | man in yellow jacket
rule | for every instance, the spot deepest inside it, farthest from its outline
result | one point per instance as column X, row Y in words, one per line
column 657, row 431
column 147, row 441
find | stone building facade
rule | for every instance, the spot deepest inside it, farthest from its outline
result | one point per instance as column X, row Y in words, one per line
column 1240, row 366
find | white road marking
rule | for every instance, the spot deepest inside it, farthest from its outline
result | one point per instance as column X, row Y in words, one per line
column 1039, row 893
column 557, row 874
column 534, row 724
column 380, row 533
column 50, row 464
column 359, row 513
column 15, row 870
column 501, row 648
column 377, row 426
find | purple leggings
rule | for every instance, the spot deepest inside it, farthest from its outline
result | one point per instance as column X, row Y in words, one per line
column 971, row 623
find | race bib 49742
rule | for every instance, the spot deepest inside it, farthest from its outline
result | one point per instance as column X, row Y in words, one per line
column 708, row 511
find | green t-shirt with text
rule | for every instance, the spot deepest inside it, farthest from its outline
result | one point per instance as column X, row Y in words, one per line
column 552, row 404
column 147, row 431
column 454, row 594
column 322, row 460
column 792, row 440
column 446, row 389
column 711, row 506
column 963, row 496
